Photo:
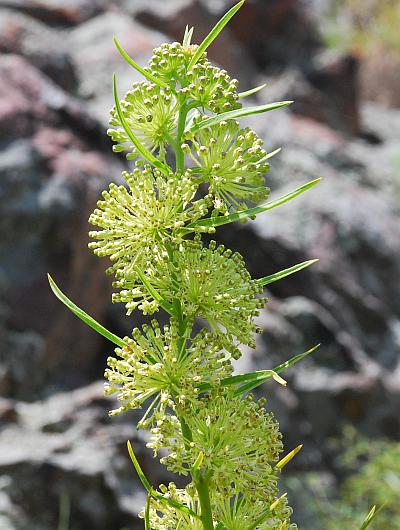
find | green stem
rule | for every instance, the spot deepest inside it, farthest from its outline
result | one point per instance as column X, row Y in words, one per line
column 179, row 154
column 201, row 479
column 201, row 483
column 186, row 432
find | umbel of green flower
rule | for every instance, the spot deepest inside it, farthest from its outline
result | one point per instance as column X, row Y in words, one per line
column 156, row 364
column 137, row 222
column 203, row 84
column 210, row 282
column 233, row 163
column 151, row 112
column 238, row 439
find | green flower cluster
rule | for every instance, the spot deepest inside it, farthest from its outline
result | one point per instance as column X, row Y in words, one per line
column 233, row 163
column 154, row 364
column 235, row 513
column 139, row 221
column 151, row 113
column 236, row 436
column 150, row 227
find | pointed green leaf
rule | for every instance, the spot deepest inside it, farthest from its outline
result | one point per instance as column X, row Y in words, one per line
column 255, row 379
column 258, row 377
column 219, row 526
column 251, row 212
column 286, row 459
column 84, row 316
column 285, row 272
column 252, row 91
column 295, row 359
column 143, row 479
column 187, row 38
column 370, row 517
column 141, row 70
column 198, row 462
column 271, row 154
column 219, row 26
column 238, row 113
column 141, row 149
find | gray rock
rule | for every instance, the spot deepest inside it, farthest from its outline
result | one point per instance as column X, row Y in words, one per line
column 56, row 11
column 42, row 46
column 95, row 57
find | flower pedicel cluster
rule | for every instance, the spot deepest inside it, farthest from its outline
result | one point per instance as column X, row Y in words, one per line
column 202, row 419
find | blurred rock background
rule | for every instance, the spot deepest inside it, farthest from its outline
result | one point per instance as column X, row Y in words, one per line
column 63, row 462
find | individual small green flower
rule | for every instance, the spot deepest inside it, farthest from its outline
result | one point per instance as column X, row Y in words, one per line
column 166, row 517
column 233, row 163
column 137, row 222
column 212, row 283
column 157, row 364
column 236, row 512
column 239, row 440
column 210, row 87
column 170, row 62
column 151, row 113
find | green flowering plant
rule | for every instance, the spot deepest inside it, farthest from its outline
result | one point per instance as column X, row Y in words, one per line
column 195, row 169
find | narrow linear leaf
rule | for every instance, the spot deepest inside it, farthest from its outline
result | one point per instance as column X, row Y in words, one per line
column 370, row 517
column 138, row 469
column 251, row 212
column 219, row 26
column 238, row 113
column 258, row 378
column 271, row 154
column 198, row 462
column 295, row 359
column 220, row 526
column 143, row 479
column 187, row 38
column 252, row 91
column 141, row 149
column 286, row 459
column 84, row 316
column 141, row 70
column 285, row 272
column 278, row 501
